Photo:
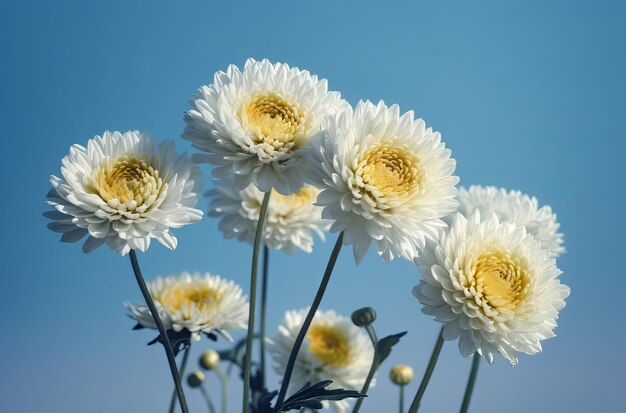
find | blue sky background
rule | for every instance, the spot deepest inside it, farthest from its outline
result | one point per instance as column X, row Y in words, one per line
column 529, row 95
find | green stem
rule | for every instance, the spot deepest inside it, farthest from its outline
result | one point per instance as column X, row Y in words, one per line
column 470, row 383
column 429, row 372
column 209, row 403
column 402, row 398
column 162, row 332
column 181, row 373
column 266, row 257
column 224, row 385
column 252, row 310
column 307, row 322
column 372, row 333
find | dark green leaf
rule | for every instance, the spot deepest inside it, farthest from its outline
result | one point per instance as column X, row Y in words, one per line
column 311, row 396
column 179, row 341
column 385, row 344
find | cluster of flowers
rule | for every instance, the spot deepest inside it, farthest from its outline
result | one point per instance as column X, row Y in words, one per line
column 487, row 256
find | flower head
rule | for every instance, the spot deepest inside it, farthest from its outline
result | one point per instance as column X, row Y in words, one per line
column 384, row 178
column 196, row 379
column 123, row 189
column 195, row 302
column 290, row 222
column 254, row 123
column 334, row 349
column 492, row 286
column 401, row 374
column 517, row 208
column 210, row 360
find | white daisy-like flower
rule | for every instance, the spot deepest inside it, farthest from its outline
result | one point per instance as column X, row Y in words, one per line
column 290, row 221
column 517, row 208
column 195, row 302
column 254, row 124
column 384, row 178
column 124, row 189
column 333, row 349
column 492, row 286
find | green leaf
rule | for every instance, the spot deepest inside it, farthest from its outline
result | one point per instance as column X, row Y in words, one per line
column 385, row 344
column 179, row 341
column 311, row 396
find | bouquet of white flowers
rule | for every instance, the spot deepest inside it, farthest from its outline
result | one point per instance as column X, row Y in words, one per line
column 292, row 159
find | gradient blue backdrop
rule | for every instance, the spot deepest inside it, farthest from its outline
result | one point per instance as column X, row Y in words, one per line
column 528, row 95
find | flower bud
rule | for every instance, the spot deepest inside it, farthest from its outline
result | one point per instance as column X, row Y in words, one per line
column 364, row 317
column 209, row 359
column 401, row 374
column 195, row 379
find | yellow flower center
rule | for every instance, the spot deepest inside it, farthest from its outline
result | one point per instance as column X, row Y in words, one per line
column 500, row 279
column 128, row 178
column 389, row 173
column 306, row 196
column 181, row 297
column 329, row 345
column 272, row 120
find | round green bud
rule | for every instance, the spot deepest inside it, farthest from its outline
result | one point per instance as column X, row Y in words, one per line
column 210, row 359
column 401, row 374
column 195, row 379
column 364, row 316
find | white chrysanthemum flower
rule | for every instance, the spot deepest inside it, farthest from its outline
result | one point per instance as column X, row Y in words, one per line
column 333, row 349
column 124, row 189
column 384, row 177
column 290, row 221
column 195, row 302
column 492, row 286
column 254, row 123
column 517, row 208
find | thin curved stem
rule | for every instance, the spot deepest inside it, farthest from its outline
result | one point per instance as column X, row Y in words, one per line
column 402, row 386
column 181, row 373
column 224, row 384
column 372, row 333
column 470, row 383
column 266, row 257
column 307, row 322
column 247, row 361
column 429, row 372
column 162, row 332
column 207, row 398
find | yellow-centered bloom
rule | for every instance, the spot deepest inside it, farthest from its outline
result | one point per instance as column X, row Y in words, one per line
column 124, row 190
column 333, row 349
column 492, row 286
column 516, row 208
column 290, row 223
column 384, row 178
column 253, row 124
column 195, row 302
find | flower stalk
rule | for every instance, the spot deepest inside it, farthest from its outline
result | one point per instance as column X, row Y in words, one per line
column 162, row 332
column 307, row 321
column 224, row 385
column 470, row 383
column 266, row 256
column 181, row 373
column 252, row 311
column 429, row 372
column 375, row 364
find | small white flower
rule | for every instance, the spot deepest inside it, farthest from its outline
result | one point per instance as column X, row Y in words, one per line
column 290, row 221
column 333, row 349
column 254, row 123
column 517, row 208
column 492, row 286
column 195, row 302
column 124, row 189
column 384, row 178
